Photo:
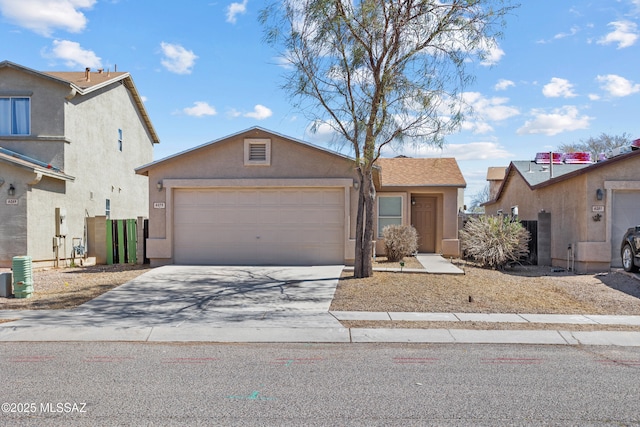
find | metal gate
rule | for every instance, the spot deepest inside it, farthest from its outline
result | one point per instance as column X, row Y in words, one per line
column 532, row 228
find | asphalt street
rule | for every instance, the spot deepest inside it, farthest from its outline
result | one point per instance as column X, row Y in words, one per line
column 94, row 383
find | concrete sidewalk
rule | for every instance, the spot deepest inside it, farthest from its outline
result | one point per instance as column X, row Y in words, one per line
column 283, row 329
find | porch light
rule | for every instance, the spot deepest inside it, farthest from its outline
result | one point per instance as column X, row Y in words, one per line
column 413, row 201
column 599, row 194
column 12, row 190
column 159, row 185
column 356, row 184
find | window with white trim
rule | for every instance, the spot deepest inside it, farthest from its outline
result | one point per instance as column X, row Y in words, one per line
column 389, row 212
column 257, row 152
column 15, row 115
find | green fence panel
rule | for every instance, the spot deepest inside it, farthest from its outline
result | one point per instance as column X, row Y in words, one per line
column 131, row 241
column 109, row 242
column 121, row 242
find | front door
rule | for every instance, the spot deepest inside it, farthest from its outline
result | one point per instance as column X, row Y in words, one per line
column 423, row 219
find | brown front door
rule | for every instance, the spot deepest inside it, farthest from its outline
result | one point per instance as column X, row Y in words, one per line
column 423, row 218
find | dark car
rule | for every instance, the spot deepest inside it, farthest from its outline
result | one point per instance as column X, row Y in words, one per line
column 630, row 249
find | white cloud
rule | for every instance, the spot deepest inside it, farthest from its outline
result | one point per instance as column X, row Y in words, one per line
column 44, row 16
column 200, row 109
column 470, row 151
column 177, row 59
column 504, row 84
column 594, row 97
column 260, row 112
column 483, row 110
column 493, row 55
column 624, row 34
column 559, row 120
column 73, row 55
column 558, row 88
column 572, row 32
column 618, row 86
column 235, row 9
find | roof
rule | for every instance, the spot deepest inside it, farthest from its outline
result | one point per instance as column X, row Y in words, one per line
column 496, row 173
column 534, row 173
column 79, row 79
column 33, row 165
column 144, row 169
column 538, row 176
column 80, row 85
column 420, row 172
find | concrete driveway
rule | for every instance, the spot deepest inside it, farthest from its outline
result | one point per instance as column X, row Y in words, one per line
column 210, row 296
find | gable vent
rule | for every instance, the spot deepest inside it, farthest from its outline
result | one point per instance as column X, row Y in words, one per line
column 257, row 152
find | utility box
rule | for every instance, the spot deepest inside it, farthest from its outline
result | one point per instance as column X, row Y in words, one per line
column 5, row 285
column 61, row 222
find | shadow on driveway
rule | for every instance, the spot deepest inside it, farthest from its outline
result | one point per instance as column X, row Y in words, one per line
column 206, row 295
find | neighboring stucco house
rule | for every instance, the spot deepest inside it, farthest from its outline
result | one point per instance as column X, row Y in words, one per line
column 69, row 143
column 258, row 197
column 582, row 209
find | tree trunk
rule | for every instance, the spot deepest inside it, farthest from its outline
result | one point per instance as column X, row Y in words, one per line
column 364, row 225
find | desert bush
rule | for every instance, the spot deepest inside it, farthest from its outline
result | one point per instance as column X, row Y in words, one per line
column 399, row 241
column 494, row 241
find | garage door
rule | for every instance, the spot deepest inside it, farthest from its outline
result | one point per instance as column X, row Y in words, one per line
column 292, row 226
column 626, row 213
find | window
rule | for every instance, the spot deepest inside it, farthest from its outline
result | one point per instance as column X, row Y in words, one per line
column 257, row 152
column 107, row 209
column 389, row 211
column 15, row 116
column 120, row 139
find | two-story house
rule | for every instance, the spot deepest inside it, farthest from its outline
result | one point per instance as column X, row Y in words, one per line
column 69, row 144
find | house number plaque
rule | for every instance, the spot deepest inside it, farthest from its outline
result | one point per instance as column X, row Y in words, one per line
column 598, row 208
column 12, row 201
column 158, row 205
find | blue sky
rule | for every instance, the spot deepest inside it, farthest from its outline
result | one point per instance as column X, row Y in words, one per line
column 563, row 72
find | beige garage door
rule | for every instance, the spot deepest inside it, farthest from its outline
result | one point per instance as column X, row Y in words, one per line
column 626, row 213
column 292, row 226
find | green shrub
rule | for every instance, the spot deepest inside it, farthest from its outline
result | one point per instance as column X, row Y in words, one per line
column 494, row 241
column 399, row 241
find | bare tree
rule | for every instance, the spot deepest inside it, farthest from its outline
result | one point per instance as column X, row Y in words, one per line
column 381, row 72
column 479, row 198
column 596, row 145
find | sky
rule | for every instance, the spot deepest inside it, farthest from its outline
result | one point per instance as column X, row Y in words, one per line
column 564, row 71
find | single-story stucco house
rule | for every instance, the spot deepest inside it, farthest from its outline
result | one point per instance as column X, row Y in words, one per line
column 258, row 197
column 582, row 209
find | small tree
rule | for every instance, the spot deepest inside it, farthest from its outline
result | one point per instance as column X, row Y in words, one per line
column 399, row 241
column 494, row 241
column 382, row 72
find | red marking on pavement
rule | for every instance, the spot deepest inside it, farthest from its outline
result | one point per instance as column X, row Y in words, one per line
column 414, row 360
column 620, row 362
column 108, row 359
column 30, row 359
column 190, row 360
column 513, row 361
column 297, row 361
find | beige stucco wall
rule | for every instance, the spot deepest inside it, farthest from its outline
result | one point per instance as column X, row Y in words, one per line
column 449, row 200
column 570, row 203
column 79, row 136
column 221, row 164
